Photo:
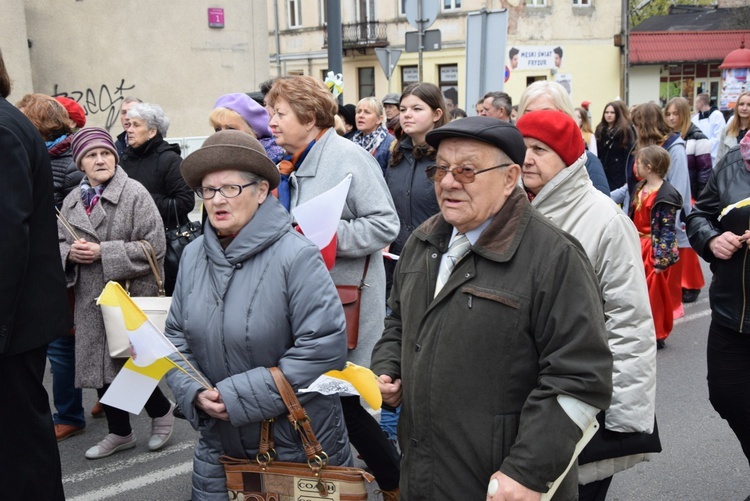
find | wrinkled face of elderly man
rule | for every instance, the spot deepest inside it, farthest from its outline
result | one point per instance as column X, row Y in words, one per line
column 478, row 180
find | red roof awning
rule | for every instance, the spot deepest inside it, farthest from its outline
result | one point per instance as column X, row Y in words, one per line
column 658, row 47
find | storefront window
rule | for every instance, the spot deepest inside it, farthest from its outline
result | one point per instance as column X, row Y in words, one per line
column 689, row 80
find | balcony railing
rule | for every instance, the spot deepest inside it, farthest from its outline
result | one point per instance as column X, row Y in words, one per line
column 362, row 35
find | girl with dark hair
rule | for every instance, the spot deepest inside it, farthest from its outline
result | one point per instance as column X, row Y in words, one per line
column 654, row 211
column 614, row 143
column 422, row 109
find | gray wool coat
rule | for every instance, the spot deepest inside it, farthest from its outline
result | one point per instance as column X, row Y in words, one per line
column 127, row 212
column 368, row 224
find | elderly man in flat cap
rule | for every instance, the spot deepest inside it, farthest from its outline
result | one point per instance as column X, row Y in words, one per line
column 496, row 347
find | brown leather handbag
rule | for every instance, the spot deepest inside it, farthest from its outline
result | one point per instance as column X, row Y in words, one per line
column 350, row 296
column 265, row 479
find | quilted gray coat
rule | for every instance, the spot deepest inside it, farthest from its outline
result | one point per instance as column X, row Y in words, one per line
column 127, row 212
column 265, row 301
column 368, row 224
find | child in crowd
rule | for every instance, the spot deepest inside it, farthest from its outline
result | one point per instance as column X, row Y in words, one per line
column 654, row 207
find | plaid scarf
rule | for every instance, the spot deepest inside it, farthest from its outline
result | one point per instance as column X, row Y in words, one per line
column 90, row 196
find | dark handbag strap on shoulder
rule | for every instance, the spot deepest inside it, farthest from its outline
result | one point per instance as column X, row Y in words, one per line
column 298, row 417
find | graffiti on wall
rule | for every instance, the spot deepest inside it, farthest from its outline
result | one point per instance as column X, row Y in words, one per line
column 104, row 100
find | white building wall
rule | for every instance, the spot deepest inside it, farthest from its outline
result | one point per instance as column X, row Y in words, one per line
column 164, row 52
column 15, row 48
column 644, row 84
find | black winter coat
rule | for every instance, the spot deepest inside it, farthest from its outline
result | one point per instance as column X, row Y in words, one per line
column 730, row 287
column 65, row 174
column 34, row 307
column 156, row 165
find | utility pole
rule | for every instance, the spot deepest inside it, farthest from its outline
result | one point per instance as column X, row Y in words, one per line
column 335, row 45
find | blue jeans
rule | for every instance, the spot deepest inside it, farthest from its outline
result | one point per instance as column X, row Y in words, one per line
column 389, row 421
column 68, row 399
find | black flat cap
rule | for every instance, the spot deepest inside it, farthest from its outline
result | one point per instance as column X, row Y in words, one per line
column 493, row 131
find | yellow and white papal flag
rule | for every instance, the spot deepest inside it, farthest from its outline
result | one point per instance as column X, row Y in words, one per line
column 149, row 349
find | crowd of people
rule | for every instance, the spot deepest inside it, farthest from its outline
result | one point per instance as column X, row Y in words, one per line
column 518, row 272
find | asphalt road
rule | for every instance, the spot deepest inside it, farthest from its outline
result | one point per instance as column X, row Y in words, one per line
column 702, row 459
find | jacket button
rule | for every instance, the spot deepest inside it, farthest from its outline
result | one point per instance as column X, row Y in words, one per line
column 414, row 442
column 467, row 275
column 417, row 347
column 433, row 256
column 238, row 266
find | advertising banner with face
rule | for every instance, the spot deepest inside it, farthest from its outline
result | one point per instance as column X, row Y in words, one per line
column 535, row 57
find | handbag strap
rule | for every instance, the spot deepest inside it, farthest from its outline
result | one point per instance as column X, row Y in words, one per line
column 148, row 249
column 362, row 283
column 299, row 419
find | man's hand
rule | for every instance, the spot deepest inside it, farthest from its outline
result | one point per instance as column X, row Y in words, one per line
column 210, row 401
column 390, row 390
column 726, row 244
column 504, row 488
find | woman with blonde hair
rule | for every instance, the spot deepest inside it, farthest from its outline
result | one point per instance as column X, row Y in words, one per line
column 582, row 118
column 240, row 112
column 698, row 149
column 737, row 127
column 371, row 134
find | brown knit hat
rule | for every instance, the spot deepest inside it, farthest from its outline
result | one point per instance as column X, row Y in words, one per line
column 229, row 150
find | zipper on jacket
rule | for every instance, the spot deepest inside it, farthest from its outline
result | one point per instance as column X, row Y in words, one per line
column 744, row 291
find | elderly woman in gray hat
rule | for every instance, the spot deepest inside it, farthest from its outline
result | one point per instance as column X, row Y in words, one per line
column 251, row 294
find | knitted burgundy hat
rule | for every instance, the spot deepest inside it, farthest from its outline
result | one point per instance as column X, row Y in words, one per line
column 75, row 112
column 89, row 138
column 557, row 130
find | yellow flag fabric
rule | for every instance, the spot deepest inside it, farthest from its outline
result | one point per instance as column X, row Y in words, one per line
column 363, row 380
column 114, row 295
column 147, row 343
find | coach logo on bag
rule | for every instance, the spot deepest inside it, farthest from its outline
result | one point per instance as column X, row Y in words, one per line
column 307, row 489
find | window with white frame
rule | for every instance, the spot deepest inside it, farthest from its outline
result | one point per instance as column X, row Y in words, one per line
column 536, row 3
column 451, row 4
column 294, row 13
column 582, row 3
column 366, row 81
column 323, row 13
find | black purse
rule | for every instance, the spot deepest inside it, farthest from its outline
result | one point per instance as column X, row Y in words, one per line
column 177, row 239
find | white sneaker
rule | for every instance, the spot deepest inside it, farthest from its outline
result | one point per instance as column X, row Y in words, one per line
column 161, row 429
column 111, row 444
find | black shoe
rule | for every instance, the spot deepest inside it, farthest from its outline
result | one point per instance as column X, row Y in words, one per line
column 660, row 344
column 690, row 295
column 178, row 413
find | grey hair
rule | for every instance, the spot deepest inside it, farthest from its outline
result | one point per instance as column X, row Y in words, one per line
column 553, row 90
column 131, row 99
column 153, row 115
column 500, row 100
column 250, row 177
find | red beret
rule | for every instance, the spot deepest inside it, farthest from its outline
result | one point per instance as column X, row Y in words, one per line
column 75, row 112
column 555, row 129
